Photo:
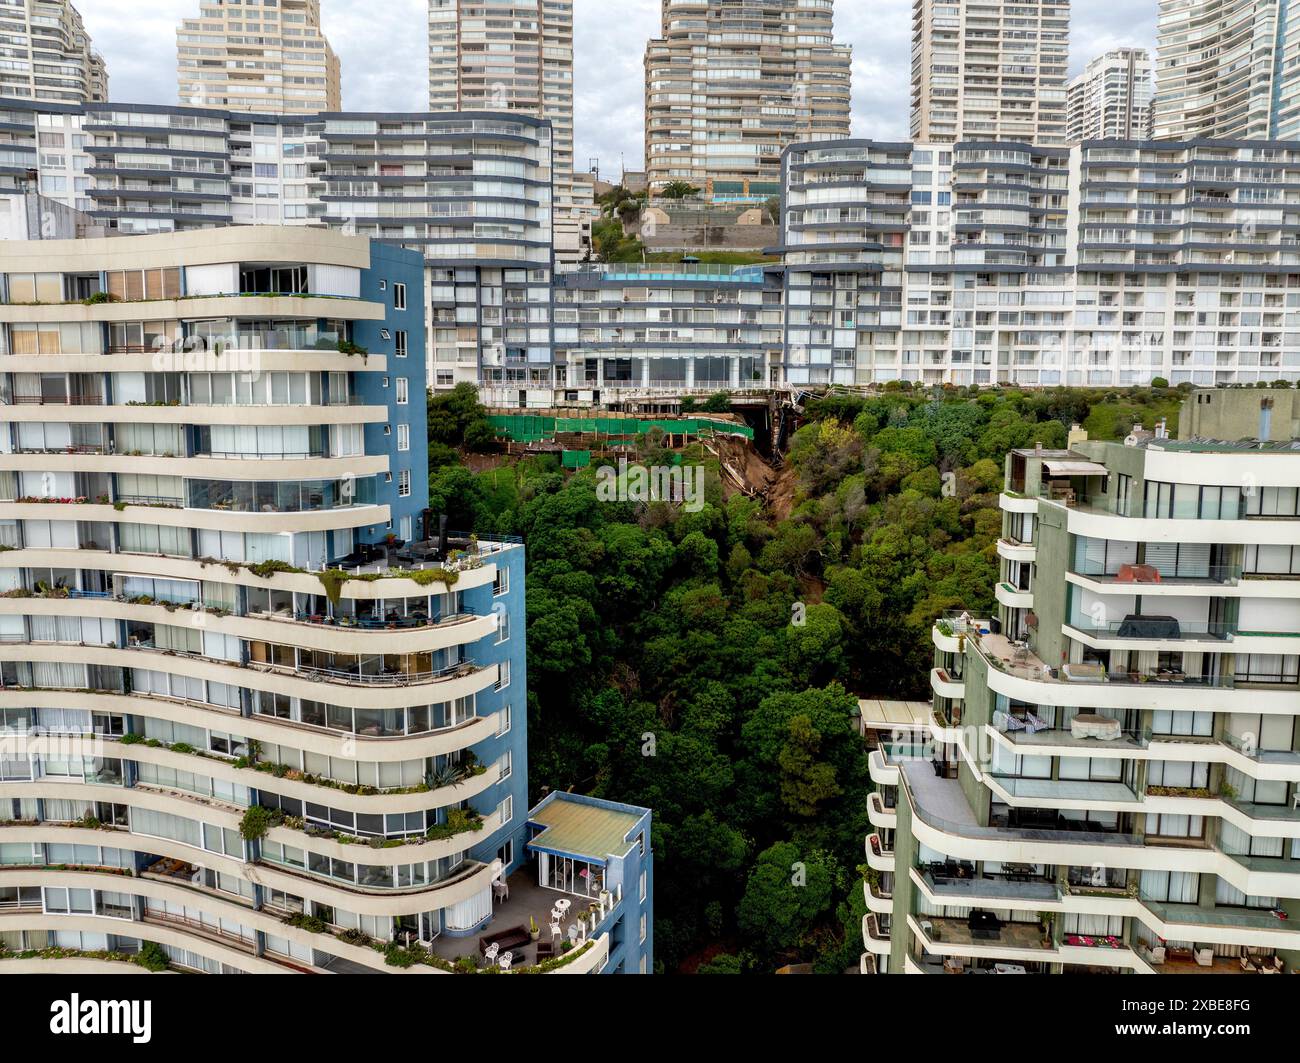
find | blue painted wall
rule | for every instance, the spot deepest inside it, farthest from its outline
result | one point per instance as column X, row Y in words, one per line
column 389, row 267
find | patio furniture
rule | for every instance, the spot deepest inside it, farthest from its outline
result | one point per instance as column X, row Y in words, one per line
column 1247, row 964
column 545, row 950
column 512, row 937
column 1156, row 957
column 1135, row 626
column 1204, row 957
column 1090, row 725
column 500, row 890
column 1008, row 968
column 1084, row 672
column 490, row 953
column 1139, row 574
column 507, row 958
column 556, row 932
column 954, row 965
column 563, row 905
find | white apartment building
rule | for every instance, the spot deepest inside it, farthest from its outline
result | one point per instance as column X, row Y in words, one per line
column 48, row 54
column 1112, row 98
column 1109, row 779
column 990, row 70
column 270, row 58
column 1228, row 68
column 516, row 56
column 729, row 84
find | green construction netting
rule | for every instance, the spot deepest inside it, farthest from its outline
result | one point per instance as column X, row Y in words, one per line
column 526, row 428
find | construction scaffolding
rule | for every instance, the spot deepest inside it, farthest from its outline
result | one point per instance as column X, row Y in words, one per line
column 598, row 433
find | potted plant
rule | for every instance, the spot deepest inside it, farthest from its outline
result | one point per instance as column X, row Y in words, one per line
column 1045, row 923
column 534, row 931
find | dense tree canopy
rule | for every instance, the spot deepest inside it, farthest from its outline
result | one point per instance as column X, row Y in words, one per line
column 708, row 664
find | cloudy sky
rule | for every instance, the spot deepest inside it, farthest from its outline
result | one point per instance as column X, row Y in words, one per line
column 382, row 48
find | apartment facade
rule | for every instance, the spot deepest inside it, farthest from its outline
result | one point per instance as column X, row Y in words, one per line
column 729, row 84
column 1108, row 778
column 252, row 713
column 1225, row 68
column 990, row 70
column 516, row 57
column 269, row 59
column 49, row 54
column 1112, row 98
column 1108, row 263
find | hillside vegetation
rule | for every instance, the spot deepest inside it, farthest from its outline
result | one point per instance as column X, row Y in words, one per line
column 708, row 664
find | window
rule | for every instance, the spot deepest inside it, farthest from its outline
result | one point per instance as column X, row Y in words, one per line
column 507, row 810
column 644, row 886
column 403, row 437
column 504, row 727
column 400, row 345
column 507, row 766
column 503, row 676
column 501, row 585
column 506, row 854
column 403, row 391
column 503, row 627
column 399, row 296
column 645, row 926
column 404, row 483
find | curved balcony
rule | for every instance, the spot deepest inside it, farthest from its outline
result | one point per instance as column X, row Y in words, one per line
column 196, row 938
column 400, row 638
column 874, row 940
column 266, row 729
column 881, row 771
column 1015, row 942
column 392, row 801
column 1010, row 503
column 344, row 689
column 935, row 803
column 880, row 816
column 232, row 306
column 241, row 958
column 877, row 902
column 309, row 360
column 1012, row 597
column 1014, row 550
column 360, row 516
column 199, row 468
column 241, row 415
column 945, row 686
column 878, row 857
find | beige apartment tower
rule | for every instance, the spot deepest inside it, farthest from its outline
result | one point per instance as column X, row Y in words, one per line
column 48, row 53
column 729, row 84
column 990, row 70
column 515, row 55
column 249, row 57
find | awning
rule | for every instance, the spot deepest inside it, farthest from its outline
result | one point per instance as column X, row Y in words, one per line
column 879, row 715
column 1075, row 468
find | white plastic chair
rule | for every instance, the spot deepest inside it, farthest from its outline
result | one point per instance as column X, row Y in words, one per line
column 556, row 932
column 507, row 958
column 490, row 953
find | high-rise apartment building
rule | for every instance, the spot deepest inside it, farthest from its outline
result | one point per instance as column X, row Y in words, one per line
column 1112, row 98
column 1228, row 68
column 730, row 84
column 246, row 56
column 1109, row 776
column 48, row 54
column 990, row 70
column 257, row 706
column 515, row 56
